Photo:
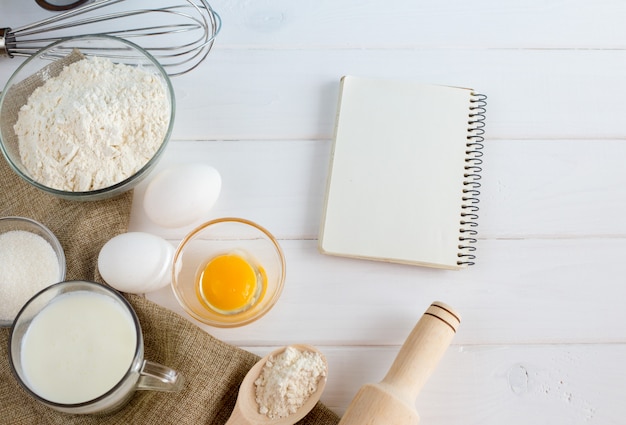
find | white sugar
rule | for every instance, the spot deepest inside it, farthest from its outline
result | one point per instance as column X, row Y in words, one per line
column 28, row 264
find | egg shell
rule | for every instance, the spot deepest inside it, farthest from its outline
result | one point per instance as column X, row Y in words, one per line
column 182, row 194
column 136, row 262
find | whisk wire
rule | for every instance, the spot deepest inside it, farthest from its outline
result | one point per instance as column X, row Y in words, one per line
column 104, row 18
column 187, row 30
column 96, row 4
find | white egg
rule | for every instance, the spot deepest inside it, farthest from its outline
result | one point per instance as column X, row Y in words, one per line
column 181, row 194
column 136, row 262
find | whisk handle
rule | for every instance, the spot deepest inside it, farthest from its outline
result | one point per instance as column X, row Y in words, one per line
column 5, row 40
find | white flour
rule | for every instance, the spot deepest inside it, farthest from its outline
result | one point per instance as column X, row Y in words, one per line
column 287, row 381
column 93, row 125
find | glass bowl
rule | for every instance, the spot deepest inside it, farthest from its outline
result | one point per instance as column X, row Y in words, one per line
column 228, row 272
column 48, row 63
column 14, row 296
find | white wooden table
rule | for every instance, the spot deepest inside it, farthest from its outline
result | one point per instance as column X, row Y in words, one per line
column 543, row 336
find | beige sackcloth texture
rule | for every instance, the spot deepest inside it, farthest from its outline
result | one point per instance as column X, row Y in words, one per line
column 212, row 369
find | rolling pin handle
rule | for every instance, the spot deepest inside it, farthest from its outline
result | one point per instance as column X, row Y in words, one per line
column 392, row 401
column 422, row 350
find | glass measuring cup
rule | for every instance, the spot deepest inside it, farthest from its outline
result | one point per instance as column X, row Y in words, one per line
column 62, row 338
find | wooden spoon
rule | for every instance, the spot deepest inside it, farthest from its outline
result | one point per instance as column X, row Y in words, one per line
column 246, row 411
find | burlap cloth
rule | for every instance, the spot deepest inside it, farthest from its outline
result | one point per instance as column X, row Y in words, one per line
column 213, row 369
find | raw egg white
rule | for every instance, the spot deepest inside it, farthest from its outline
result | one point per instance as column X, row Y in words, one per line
column 136, row 262
column 182, row 194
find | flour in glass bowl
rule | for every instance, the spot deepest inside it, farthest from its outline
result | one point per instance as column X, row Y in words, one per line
column 92, row 126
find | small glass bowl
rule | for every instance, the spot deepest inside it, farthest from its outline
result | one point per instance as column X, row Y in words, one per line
column 8, row 224
column 228, row 236
column 47, row 63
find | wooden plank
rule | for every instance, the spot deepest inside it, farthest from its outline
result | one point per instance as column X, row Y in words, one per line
column 557, row 188
column 530, row 188
column 494, row 385
column 356, row 24
column 519, row 292
column 292, row 94
column 280, row 185
column 542, row 89
column 409, row 24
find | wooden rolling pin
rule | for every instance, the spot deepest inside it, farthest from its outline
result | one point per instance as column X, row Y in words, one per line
column 392, row 401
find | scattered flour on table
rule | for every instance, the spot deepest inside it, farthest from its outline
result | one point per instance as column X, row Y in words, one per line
column 93, row 125
column 287, row 380
column 28, row 264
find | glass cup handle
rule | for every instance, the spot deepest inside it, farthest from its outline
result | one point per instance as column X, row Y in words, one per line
column 154, row 376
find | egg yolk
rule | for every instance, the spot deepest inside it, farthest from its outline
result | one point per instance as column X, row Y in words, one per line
column 228, row 283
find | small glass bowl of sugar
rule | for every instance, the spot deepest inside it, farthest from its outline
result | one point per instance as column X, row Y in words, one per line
column 31, row 259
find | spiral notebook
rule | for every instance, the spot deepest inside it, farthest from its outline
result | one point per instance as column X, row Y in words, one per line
column 403, row 177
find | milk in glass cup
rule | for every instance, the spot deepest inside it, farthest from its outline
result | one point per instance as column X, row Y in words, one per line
column 77, row 347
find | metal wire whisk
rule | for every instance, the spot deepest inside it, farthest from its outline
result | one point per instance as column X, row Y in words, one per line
column 178, row 33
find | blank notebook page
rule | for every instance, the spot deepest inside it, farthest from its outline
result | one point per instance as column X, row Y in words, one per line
column 395, row 183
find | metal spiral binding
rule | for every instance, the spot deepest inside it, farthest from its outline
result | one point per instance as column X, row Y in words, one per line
column 471, row 185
